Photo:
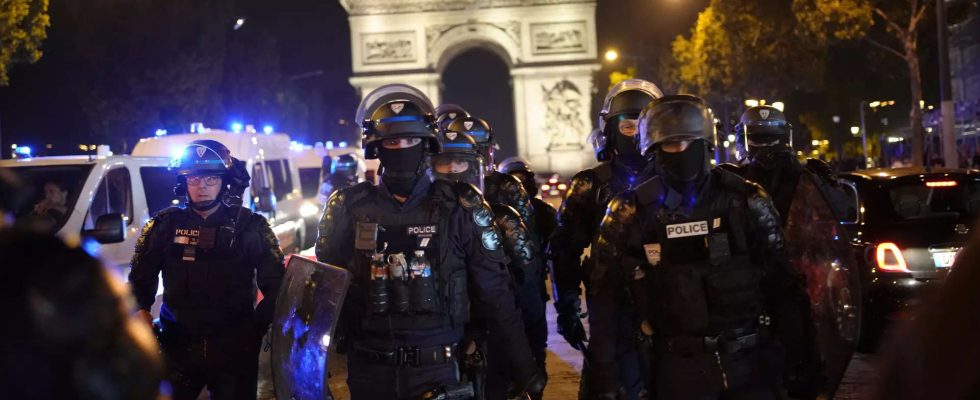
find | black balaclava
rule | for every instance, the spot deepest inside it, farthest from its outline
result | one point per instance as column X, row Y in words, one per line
column 627, row 151
column 686, row 167
column 402, row 168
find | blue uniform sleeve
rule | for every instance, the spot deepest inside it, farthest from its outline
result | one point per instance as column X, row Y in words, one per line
column 147, row 262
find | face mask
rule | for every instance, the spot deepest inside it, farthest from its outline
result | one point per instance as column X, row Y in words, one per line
column 685, row 166
column 401, row 168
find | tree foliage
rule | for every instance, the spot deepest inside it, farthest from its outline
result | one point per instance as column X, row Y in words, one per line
column 23, row 26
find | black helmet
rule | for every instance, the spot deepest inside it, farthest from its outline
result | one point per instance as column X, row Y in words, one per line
column 458, row 147
column 204, row 157
column 481, row 133
column 521, row 169
column 447, row 112
column 762, row 129
column 624, row 101
column 394, row 112
column 676, row 117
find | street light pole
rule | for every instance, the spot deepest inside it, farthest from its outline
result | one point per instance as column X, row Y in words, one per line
column 864, row 134
column 947, row 111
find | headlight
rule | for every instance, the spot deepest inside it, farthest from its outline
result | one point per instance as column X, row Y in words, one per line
column 308, row 209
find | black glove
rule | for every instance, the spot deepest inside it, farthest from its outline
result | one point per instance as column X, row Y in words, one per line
column 570, row 316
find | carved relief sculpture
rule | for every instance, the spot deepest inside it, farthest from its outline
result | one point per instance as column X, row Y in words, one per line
column 563, row 119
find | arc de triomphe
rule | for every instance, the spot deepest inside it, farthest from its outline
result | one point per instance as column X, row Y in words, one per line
column 548, row 45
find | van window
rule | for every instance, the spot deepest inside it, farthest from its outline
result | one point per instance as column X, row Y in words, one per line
column 309, row 182
column 260, row 180
column 158, row 184
column 282, row 180
column 113, row 195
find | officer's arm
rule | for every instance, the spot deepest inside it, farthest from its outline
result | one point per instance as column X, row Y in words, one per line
column 268, row 268
column 573, row 234
column 516, row 242
column 489, row 281
column 785, row 290
column 607, row 288
column 148, row 259
column 507, row 189
column 336, row 238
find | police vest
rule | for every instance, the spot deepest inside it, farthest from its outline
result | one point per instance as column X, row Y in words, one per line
column 405, row 276
column 698, row 279
column 205, row 276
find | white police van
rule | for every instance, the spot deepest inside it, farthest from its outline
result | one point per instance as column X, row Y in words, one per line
column 274, row 190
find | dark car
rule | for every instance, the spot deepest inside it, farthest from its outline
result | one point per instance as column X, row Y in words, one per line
column 910, row 225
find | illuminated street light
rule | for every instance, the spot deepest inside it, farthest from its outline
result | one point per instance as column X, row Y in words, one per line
column 855, row 130
column 778, row 105
column 752, row 103
column 815, row 142
column 612, row 55
column 238, row 24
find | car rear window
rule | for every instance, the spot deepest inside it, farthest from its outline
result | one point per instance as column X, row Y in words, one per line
column 309, row 182
column 935, row 199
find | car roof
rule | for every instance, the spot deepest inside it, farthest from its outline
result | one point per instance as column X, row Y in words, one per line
column 81, row 159
column 884, row 174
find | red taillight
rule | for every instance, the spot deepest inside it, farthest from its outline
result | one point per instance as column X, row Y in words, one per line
column 941, row 184
column 890, row 258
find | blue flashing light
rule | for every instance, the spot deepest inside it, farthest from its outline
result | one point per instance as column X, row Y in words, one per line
column 91, row 247
column 160, row 132
column 23, row 150
column 267, row 129
column 342, row 144
column 237, row 127
column 329, row 144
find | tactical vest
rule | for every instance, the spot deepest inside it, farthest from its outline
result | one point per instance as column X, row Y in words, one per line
column 206, row 278
column 698, row 279
column 406, row 278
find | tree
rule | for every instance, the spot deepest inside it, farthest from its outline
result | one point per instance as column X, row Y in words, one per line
column 829, row 20
column 23, row 26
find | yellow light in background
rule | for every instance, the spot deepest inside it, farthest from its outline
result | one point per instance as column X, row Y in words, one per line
column 779, row 105
column 922, row 104
column 752, row 103
column 825, row 142
column 815, row 142
column 611, row 55
column 874, row 104
column 855, row 130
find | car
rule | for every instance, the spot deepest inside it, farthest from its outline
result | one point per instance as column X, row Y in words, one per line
column 274, row 191
column 908, row 227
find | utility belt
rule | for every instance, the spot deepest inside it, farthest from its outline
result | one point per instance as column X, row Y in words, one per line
column 410, row 356
column 729, row 343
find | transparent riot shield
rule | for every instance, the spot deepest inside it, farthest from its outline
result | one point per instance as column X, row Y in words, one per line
column 307, row 309
column 820, row 249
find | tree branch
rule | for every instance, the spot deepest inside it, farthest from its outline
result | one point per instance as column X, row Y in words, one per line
column 914, row 22
column 886, row 48
column 891, row 24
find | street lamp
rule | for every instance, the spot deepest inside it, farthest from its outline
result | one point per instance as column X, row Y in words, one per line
column 855, row 130
column 612, row 55
column 778, row 105
column 753, row 103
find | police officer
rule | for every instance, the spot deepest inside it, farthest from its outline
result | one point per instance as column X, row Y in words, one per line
column 212, row 254
column 545, row 215
column 447, row 112
column 506, row 190
column 582, row 208
column 764, row 146
column 421, row 253
column 699, row 251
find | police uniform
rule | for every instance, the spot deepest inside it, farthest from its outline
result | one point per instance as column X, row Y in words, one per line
column 418, row 266
column 211, row 328
column 700, row 254
column 582, row 208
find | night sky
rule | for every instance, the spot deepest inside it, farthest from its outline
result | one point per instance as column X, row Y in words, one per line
column 41, row 106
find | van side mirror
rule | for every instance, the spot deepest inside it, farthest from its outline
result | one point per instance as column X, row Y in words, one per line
column 264, row 200
column 109, row 228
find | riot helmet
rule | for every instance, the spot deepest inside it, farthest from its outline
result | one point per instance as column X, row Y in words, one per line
column 458, row 159
column 678, row 131
column 345, row 171
column 521, row 169
column 447, row 112
column 399, row 128
column 481, row 133
column 761, row 132
column 618, row 120
column 206, row 158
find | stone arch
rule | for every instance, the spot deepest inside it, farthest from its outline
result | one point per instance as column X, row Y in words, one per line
column 549, row 47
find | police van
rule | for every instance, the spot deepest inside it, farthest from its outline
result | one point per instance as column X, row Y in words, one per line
column 274, row 190
column 104, row 197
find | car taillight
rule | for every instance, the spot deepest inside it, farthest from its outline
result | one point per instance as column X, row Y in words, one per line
column 890, row 258
column 935, row 184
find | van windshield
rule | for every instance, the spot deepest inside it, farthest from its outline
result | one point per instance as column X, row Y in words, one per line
column 52, row 191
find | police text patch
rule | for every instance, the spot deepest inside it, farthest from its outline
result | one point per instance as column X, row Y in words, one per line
column 696, row 228
column 652, row 251
column 422, row 230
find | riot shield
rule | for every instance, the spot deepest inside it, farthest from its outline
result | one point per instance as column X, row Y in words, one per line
column 309, row 303
column 820, row 249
